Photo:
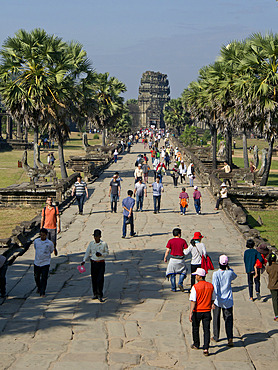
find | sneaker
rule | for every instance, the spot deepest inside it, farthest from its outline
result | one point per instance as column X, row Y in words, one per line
column 258, row 296
column 182, row 213
column 251, row 299
column 101, row 299
column 154, row 212
column 230, row 343
column 181, row 288
column 134, row 234
column 95, row 297
column 123, row 236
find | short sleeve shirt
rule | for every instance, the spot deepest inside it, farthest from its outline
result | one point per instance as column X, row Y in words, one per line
column 115, row 185
column 50, row 217
column 128, row 203
column 196, row 194
column 157, row 187
column 183, row 195
column 177, row 245
column 140, row 188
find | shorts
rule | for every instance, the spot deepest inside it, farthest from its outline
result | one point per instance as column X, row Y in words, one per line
column 52, row 235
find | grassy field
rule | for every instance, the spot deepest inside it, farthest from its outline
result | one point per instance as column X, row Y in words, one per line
column 268, row 230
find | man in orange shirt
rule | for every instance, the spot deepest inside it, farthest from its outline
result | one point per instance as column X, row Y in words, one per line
column 51, row 221
column 202, row 297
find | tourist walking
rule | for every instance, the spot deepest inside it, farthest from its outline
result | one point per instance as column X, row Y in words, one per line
column 184, row 201
column 80, row 190
column 202, row 297
column 3, row 271
column 175, row 175
column 139, row 191
column 157, row 190
column 221, row 281
column 155, row 164
column 182, row 171
column 191, row 174
column 197, row 197
column 50, row 220
column 114, row 193
column 272, row 270
column 176, row 266
column 145, row 168
column 223, row 195
column 167, row 159
column 128, row 204
column 138, row 173
column 250, row 257
column 97, row 251
column 197, row 250
column 160, row 171
column 43, row 249
column 115, row 155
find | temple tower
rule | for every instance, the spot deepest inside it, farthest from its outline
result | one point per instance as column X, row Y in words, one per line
column 154, row 93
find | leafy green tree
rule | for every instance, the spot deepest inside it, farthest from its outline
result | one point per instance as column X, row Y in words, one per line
column 175, row 115
column 189, row 136
column 123, row 125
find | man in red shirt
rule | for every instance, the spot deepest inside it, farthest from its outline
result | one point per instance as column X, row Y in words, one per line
column 202, row 297
column 51, row 221
column 176, row 265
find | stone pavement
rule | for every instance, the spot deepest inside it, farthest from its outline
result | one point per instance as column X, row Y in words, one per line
column 142, row 324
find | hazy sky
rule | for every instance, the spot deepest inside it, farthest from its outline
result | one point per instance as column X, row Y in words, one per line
column 128, row 37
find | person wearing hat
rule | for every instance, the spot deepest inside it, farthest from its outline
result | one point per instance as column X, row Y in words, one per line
column 223, row 195
column 138, row 173
column 221, row 281
column 202, row 297
column 197, row 250
column 250, row 257
column 197, row 197
column 272, row 270
column 97, row 251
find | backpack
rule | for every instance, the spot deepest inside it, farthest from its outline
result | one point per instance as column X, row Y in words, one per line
column 184, row 203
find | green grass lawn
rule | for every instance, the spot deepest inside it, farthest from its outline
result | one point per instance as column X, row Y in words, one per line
column 268, row 230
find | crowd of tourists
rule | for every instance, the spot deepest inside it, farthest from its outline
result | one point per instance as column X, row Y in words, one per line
column 151, row 166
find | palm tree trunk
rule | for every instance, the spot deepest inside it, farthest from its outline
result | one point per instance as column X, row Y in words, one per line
column 245, row 151
column 62, row 160
column 103, row 136
column 213, row 131
column 268, row 164
column 229, row 137
column 36, row 141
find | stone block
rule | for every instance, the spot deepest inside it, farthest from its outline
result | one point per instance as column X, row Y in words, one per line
column 124, row 358
column 115, row 329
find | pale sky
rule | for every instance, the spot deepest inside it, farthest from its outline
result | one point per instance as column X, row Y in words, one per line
column 128, row 37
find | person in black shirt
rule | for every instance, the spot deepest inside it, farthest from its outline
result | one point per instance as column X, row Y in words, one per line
column 114, row 193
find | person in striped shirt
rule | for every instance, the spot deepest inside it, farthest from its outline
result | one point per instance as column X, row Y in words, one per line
column 80, row 190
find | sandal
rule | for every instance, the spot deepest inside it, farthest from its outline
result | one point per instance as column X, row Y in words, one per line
column 206, row 352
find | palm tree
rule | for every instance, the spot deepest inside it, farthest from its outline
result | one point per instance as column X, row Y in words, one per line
column 175, row 115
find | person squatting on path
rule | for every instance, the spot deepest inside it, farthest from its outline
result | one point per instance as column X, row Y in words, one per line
column 184, row 201
column 197, row 197
column 221, row 281
column 114, row 193
column 43, row 249
column 250, row 257
column 175, row 247
column 272, row 270
column 202, row 297
column 197, row 250
column 157, row 189
column 223, row 195
column 80, row 190
column 51, row 222
column 97, row 251
column 139, row 191
column 128, row 204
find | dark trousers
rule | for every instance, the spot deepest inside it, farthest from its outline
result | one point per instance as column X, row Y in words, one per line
column 131, row 225
column 80, row 201
column 274, row 296
column 41, row 276
column 228, row 318
column 97, row 274
column 3, row 271
column 156, row 202
column 193, row 269
column 197, row 205
column 139, row 202
column 218, row 202
column 154, row 175
column 113, row 200
column 197, row 317
column 175, row 180
column 250, row 279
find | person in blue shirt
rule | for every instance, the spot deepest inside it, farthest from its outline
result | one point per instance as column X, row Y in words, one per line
column 250, row 257
column 128, row 204
column 157, row 189
column 221, row 280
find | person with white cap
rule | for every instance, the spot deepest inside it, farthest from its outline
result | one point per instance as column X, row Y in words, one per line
column 202, row 297
column 222, row 280
column 223, row 195
column 138, row 173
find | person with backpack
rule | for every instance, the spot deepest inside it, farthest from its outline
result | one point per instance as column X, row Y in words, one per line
column 197, row 250
column 272, row 270
column 184, row 201
column 50, row 221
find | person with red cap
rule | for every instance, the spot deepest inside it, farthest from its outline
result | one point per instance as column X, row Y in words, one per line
column 221, row 281
column 202, row 297
column 197, row 250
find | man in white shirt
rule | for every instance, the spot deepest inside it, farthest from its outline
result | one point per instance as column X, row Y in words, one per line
column 43, row 247
column 97, row 251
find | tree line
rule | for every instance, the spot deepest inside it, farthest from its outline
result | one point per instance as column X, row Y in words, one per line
column 239, row 91
column 45, row 83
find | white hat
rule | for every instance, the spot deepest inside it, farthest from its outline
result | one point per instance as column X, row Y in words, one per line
column 223, row 185
column 195, row 187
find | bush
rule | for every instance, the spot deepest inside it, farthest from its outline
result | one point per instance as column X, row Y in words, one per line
column 96, row 136
column 189, row 136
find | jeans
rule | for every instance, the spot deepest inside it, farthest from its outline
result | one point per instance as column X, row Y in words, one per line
column 97, row 275
column 193, row 269
column 154, row 175
column 173, row 281
column 183, row 209
column 182, row 178
column 3, row 271
column 197, row 317
column 197, row 205
column 156, row 203
column 41, row 276
column 274, row 296
column 131, row 225
column 190, row 181
column 80, row 201
column 228, row 318
column 115, row 158
column 139, row 202
column 113, row 200
column 250, row 277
